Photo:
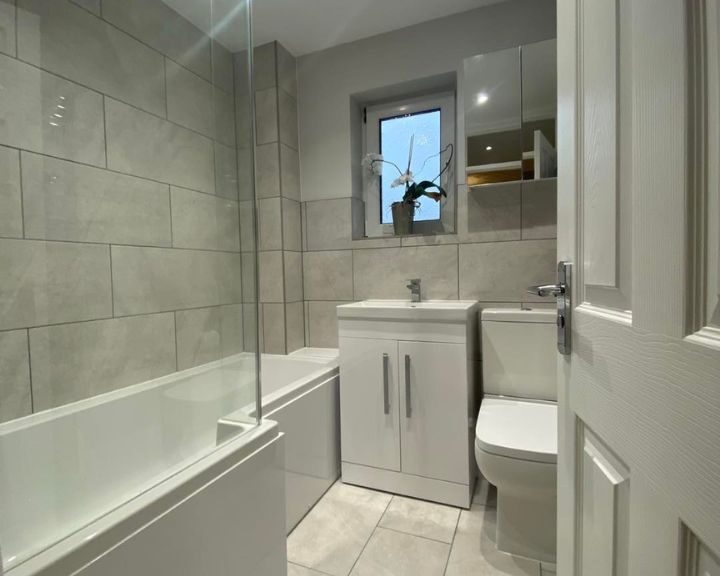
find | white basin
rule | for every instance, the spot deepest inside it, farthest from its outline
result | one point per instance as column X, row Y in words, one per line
column 428, row 310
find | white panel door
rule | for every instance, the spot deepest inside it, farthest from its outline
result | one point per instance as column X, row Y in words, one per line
column 369, row 410
column 434, row 410
column 638, row 156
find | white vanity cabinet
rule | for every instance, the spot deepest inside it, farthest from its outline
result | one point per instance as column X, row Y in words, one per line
column 408, row 397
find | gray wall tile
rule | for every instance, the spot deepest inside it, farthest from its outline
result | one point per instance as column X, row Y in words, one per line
column 189, row 99
column 295, row 326
column 270, row 224
column 265, row 66
column 288, row 117
column 224, row 117
column 274, row 329
column 502, row 271
column 208, row 334
column 293, row 276
column 383, row 273
column 204, row 221
column 91, row 5
column 271, row 277
column 53, row 282
column 292, row 228
column 156, row 24
column 266, row 114
column 143, row 145
column 290, row 172
column 15, row 394
column 249, row 276
column 490, row 213
column 30, row 100
column 328, row 224
column 76, row 361
column 246, row 174
column 286, row 71
column 252, row 327
column 328, row 275
column 7, row 27
column 247, row 226
column 539, row 205
column 268, row 171
column 69, row 41
column 222, row 68
column 158, row 279
column 10, row 198
column 323, row 328
column 68, row 201
column 226, row 171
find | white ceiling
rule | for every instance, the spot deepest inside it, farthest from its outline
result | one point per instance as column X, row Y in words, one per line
column 304, row 26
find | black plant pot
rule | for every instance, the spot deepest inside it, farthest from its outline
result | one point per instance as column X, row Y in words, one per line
column 403, row 215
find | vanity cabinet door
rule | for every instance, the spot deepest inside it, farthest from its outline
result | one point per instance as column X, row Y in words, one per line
column 369, row 410
column 434, row 410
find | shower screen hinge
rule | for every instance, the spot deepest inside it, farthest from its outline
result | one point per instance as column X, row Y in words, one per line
column 365, row 115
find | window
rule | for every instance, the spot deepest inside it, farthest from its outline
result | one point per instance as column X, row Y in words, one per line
column 429, row 124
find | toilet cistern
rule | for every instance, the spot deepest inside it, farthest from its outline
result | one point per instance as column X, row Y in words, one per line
column 415, row 289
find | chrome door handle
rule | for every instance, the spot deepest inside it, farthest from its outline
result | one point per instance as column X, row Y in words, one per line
column 386, row 386
column 408, row 395
column 545, row 290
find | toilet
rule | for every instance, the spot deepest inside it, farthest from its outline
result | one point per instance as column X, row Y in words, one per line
column 516, row 432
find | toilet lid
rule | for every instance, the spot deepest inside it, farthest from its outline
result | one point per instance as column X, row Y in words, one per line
column 518, row 429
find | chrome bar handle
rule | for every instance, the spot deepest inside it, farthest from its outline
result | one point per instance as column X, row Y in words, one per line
column 386, row 385
column 408, row 395
column 546, row 290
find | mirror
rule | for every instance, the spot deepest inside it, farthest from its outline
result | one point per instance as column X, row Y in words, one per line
column 510, row 114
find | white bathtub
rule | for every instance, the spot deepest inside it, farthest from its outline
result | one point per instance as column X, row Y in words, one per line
column 301, row 394
column 134, row 482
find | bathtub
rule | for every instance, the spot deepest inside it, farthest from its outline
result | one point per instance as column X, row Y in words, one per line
column 142, row 481
column 301, row 393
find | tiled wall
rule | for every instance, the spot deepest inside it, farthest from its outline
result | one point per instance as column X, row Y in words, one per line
column 119, row 227
column 505, row 243
column 278, row 200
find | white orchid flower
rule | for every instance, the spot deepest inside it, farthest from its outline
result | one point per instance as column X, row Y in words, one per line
column 406, row 178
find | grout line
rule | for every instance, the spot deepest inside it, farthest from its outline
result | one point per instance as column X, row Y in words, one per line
column 32, row 394
column 105, row 138
column 398, row 531
column 175, row 331
column 167, row 95
column 22, row 193
column 371, row 534
column 112, row 282
column 452, row 544
column 172, row 235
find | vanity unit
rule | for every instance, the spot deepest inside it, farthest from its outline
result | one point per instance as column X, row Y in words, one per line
column 408, row 397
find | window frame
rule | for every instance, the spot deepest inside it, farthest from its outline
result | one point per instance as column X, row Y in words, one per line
column 443, row 101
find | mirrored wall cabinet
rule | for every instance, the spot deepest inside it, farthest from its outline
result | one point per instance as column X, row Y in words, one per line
column 510, row 114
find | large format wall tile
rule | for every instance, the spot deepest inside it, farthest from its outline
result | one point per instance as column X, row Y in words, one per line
column 207, row 334
column 10, row 198
column 52, row 282
column 15, row 395
column 158, row 279
column 143, row 145
column 266, row 114
column 159, row 26
column 286, row 71
column 267, row 177
column 68, row 201
column 76, row 361
column 271, row 276
column 328, row 224
column 539, row 208
column 204, row 221
column 265, row 66
column 274, row 341
column 290, row 172
column 502, row 271
column 224, row 117
column 292, row 228
column 323, row 324
column 247, row 225
column 189, row 99
column 328, row 275
column 44, row 113
column 7, row 27
column 295, row 326
column 226, row 171
column 490, row 213
column 91, row 5
column 288, row 118
column 222, row 68
column 69, row 41
column 269, row 224
column 292, row 263
column 383, row 273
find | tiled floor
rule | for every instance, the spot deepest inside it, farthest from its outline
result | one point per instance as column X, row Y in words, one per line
column 358, row 532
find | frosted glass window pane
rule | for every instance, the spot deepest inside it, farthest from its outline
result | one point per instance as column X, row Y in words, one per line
column 395, row 135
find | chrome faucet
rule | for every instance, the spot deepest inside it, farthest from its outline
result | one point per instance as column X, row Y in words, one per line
column 415, row 290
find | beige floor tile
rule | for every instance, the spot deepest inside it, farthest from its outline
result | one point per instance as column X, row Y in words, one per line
column 421, row 518
column 334, row 533
column 474, row 550
column 391, row 553
column 295, row 570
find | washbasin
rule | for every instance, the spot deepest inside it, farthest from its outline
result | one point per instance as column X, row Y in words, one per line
column 428, row 310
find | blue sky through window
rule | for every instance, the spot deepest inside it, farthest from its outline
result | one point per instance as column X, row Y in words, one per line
column 395, row 135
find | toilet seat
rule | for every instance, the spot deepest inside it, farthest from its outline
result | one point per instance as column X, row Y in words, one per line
column 520, row 429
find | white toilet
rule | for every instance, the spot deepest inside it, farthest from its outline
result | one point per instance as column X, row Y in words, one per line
column 516, row 433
